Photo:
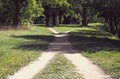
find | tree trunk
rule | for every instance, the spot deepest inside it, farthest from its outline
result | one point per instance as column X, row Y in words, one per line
column 47, row 20
column 67, row 19
column 16, row 17
column 118, row 31
column 117, row 25
column 54, row 20
column 47, row 15
column 60, row 19
column 112, row 28
column 84, row 16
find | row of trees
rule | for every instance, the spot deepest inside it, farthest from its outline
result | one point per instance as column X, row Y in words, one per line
column 18, row 12
column 110, row 11
column 53, row 10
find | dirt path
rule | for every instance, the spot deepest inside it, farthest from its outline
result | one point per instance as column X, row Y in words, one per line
column 86, row 68
column 61, row 45
column 83, row 65
column 34, row 67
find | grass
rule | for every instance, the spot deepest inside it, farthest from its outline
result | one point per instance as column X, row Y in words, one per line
column 95, row 24
column 59, row 68
column 75, row 27
column 100, row 46
column 63, row 28
column 109, row 60
column 19, row 47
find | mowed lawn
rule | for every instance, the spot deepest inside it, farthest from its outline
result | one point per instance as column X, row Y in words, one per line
column 98, row 45
column 19, row 47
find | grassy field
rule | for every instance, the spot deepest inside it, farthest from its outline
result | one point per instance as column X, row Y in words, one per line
column 63, row 28
column 75, row 27
column 59, row 68
column 19, row 47
column 93, row 42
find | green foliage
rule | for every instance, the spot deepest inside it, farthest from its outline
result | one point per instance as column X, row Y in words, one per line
column 32, row 10
column 59, row 68
column 53, row 9
column 110, row 11
column 1, row 5
column 27, row 11
column 6, row 12
column 55, row 3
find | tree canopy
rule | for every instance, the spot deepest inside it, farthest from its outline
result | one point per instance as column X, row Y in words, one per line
column 110, row 11
column 20, row 12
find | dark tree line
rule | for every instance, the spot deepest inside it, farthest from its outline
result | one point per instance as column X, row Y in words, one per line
column 20, row 12
column 110, row 11
column 17, row 12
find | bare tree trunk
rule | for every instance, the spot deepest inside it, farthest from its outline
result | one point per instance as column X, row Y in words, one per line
column 54, row 20
column 67, row 20
column 112, row 28
column 84, row 16
column 60, row 19
column 16, row 17
column 47, row 20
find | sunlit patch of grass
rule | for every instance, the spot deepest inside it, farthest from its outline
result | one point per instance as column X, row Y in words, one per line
column 12, row 61
column 76, row 27
column 14, row 54
column 95, row 24
column 62, row 29
column 59, row 68
column 109, row 60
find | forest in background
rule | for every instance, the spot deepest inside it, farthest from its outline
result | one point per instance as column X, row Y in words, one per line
column 17, row 13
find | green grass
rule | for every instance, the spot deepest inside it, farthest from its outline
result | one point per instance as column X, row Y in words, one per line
column 75, row 27
column 59, row 68
column 109, row 60
column 100, row 46
column 63, row 28
column 95, row 24
column 19, row 47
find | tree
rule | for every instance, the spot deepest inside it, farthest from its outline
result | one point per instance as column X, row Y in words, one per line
column 18, row 4
column 6, row 12
column 17, row 12
column 110, row 11
column 51, row 9
column 61, row 12
column 81, row 8
column 32, row 10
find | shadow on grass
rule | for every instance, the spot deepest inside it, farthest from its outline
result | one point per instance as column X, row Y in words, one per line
column 68, row 25
column 91, row 33
column 35, row 43
column 89, row 40
column 78, row 25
